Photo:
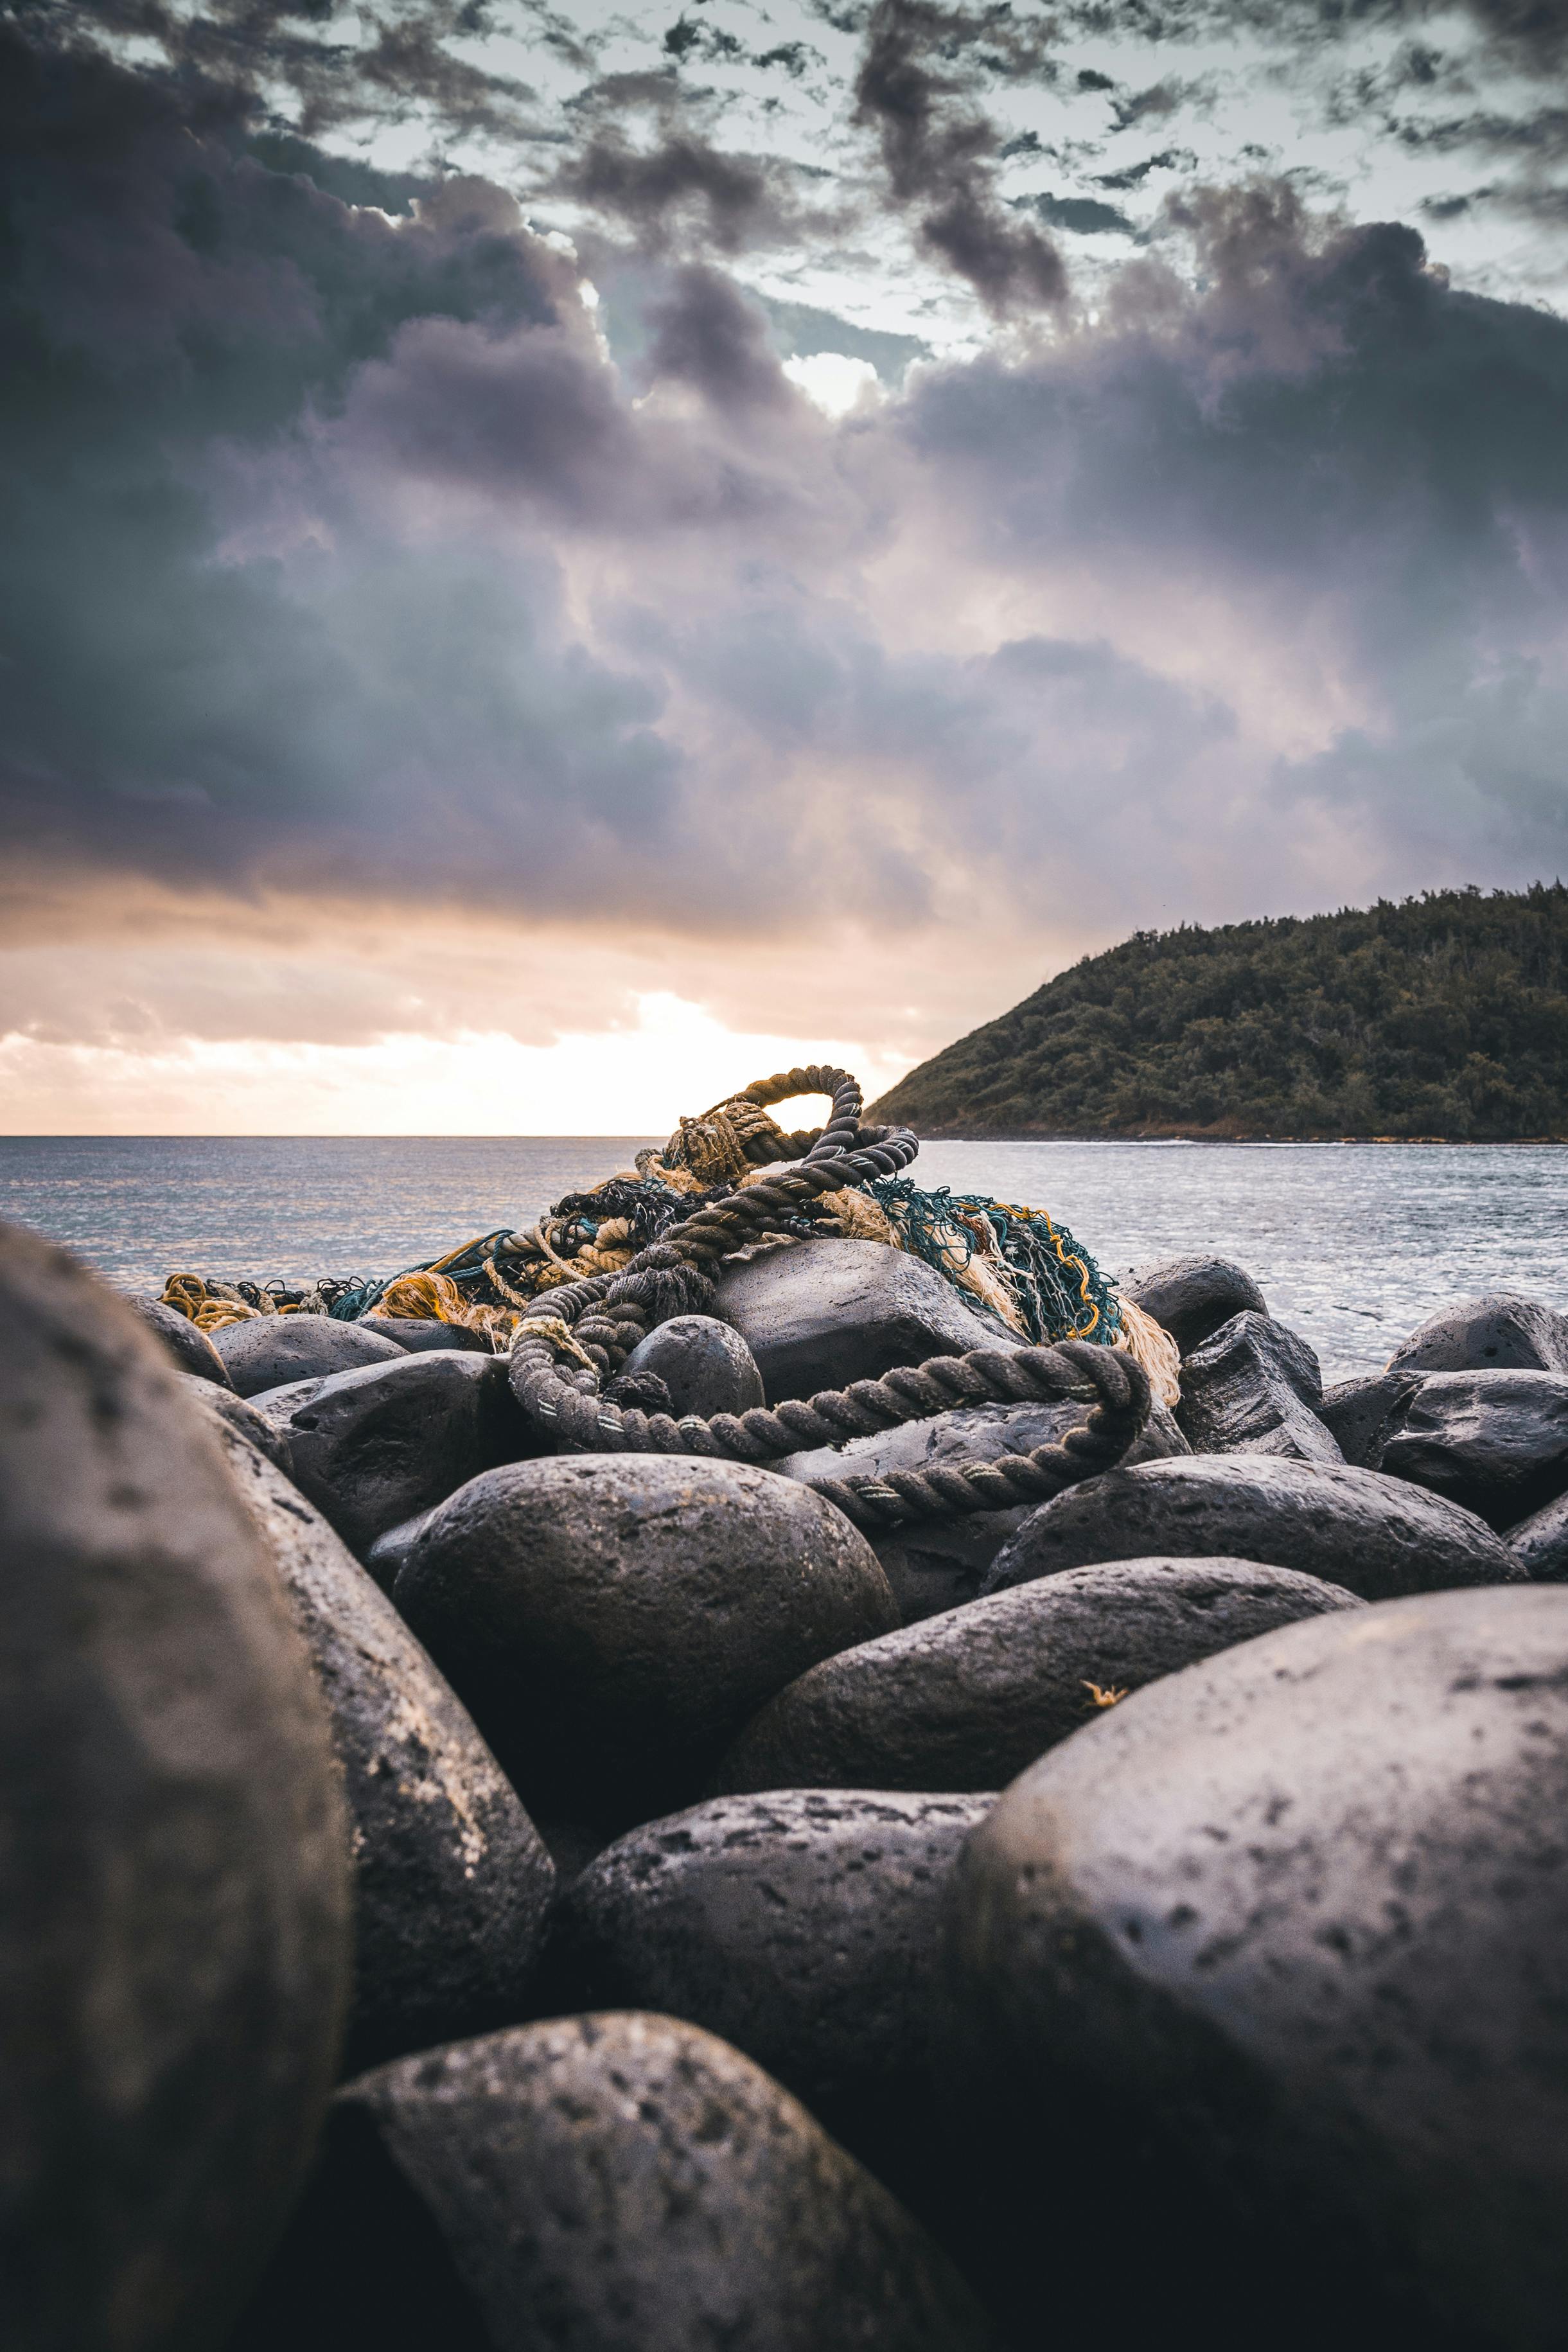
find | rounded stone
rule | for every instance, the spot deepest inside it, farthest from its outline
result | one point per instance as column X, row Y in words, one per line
column 1494, row 1442
column 270, row 1351
column 1192, row 1296
column 611, row 1620
column 417, row 1335
column 173, row 1851
column 800, row 1926
column 1540, row 1543
column 1376, row 1536
column 967, row 1699
column 226, row 1411
column 821, row 1314
column 614, row 2182
column 191, row 1349
column 1284, row 1938
column 452, row 1883
column 1499, row 1332
column 706, row 1365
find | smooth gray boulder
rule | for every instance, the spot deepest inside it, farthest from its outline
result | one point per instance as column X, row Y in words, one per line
column 1284, row 1938
column 226, row 1411
column 1253, row 1387
column 173, row 1851
column 616, row 2182
column 377, row 1445
column 1499, row 1332
column 191, row 1349
column 452, row 1883
column 416, row 1335
column 1192, row 1296
column 818, row 1315
column 269, row 1350
column 1362, row 1415
column 1376, row 1536
column 936, row 1564
column 612, row 1619
column 801, row 1926
column 1540, row 1543
column 705, row 1365
column 1495, row 1441
column 967, row 1700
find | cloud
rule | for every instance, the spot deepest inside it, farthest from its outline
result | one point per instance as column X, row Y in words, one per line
column 940, row 151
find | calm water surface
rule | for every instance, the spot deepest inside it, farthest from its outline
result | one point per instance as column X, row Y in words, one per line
column 1353, row 1243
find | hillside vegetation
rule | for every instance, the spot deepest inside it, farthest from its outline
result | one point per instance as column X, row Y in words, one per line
column 1445, row 1016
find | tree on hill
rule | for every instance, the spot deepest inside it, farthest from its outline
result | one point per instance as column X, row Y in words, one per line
column 1445, row 1015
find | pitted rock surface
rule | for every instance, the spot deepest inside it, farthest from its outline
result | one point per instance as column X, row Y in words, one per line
column 967, row 1700
column 611, row 1620
column 706, row 1367
column 818, row 1315
column 1192, row 1296
column 1499, row 1333
column 268, row 1351
column 191, row 1349
column 1495, row 1441
column 1253, row 1387
column 1376, row 1536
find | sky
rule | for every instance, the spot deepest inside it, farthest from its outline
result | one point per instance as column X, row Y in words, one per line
column 557, row 560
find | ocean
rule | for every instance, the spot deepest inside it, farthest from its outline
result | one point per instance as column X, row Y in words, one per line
column 1353, row 1244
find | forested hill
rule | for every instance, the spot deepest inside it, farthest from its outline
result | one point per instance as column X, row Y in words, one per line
column 1446, row 1017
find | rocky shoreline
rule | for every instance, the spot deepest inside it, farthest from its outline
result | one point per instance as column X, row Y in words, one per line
column 465, row 1892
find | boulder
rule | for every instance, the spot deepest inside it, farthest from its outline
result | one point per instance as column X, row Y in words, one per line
column 706, row 1367
column 267, row 1350
column 173, row 1854
column 800, row 1926
column 818, row 1315
column 615, row 2182
column 377, row 1445
column 1192, row 1296
column 1253, row 1387
column 226, row 1411
column 968, row 1699
column 417, row 1334
column 386, row 1555
column 1376, row 1536
column 452, row 1883
column 936, row 1564
column 1362, row 1415
column 1283, row 1936
column 1495, row 1441
column 1499, row 1333
column 1540, row 1543
column 191, row 1349
column 612, row 1619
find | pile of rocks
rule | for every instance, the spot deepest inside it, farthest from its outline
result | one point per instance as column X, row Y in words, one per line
column 462, row 1894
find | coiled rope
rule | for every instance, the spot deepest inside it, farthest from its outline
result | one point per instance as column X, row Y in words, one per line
column 572, row 1343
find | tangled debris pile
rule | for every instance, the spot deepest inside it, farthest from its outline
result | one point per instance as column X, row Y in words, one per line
column 749, row 1789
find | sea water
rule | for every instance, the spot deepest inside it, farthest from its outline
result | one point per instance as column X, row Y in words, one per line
column 1353, row 1244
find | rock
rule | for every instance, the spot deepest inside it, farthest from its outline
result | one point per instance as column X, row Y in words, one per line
column 706, row 1367
column 968, row 1699
column 191, row 1349
column 386, row 1555
column 613, row 1620
column 174, row 1862
column 1499, row 1332
column 452, row 1885
column 416, row 1335
column 1192, row 1296
column 800, row 1926
column 1495, row 1441
column 1362, row 1415
column 378, row 1445
column 818, row 1315
column 226, row 1411
column 1283, row 1936
column 1540, row 1543
column 615, row 2182
column 1376, row 1536
column 267, row 1350
column 1253, row 1387
column 936, row 1564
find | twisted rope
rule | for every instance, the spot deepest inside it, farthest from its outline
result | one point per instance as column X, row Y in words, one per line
column 573, row 1342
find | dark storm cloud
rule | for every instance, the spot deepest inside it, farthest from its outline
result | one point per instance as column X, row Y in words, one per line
column 940, row 151
column 1080, row 216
